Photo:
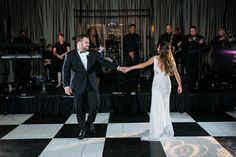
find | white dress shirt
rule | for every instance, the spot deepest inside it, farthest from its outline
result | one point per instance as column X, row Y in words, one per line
column 83, row 57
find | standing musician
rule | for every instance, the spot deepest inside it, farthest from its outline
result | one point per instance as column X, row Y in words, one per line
column 192, row 44
column 174, row 38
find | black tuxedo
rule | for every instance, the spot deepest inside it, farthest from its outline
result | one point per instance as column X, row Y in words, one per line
column 84, row 83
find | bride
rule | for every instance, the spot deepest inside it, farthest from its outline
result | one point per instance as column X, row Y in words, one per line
column 160, row 126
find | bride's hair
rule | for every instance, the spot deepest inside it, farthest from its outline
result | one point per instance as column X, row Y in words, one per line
column 167, row 58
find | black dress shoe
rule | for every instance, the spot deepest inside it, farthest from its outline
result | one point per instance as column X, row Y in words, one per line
column 81, row 134
column 92, row 128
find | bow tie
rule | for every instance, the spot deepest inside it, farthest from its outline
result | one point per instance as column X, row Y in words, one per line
column 84, row 52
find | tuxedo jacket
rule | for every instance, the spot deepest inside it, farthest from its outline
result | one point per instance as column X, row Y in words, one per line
column 82, row 77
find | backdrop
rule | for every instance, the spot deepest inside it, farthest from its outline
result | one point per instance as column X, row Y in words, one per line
column 45, row 18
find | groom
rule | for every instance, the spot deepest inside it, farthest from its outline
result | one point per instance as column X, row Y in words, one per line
column 84, row 85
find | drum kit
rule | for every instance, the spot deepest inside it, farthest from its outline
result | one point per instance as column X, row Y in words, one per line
column 112, row 54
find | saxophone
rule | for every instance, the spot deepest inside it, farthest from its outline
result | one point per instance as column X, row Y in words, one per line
column 171, row 47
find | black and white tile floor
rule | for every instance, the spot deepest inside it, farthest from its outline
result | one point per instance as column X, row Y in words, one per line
column 117, row 135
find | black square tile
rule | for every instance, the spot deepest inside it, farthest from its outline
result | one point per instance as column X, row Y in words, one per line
column 72, row 131
column 24, row 148
column 134, row 147
column 212, row 117
column 47, row 119
column 5, row 129
column 189, row 129
column 229, row 143
column 129, row 118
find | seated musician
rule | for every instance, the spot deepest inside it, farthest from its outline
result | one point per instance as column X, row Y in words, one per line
column 49, row 63
column 22, row 38
column 22, row 67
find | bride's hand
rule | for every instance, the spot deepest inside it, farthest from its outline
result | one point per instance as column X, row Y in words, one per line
column 127, row 69
column 179, row 90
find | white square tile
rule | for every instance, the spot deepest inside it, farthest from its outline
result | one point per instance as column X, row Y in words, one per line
column 72, row 119
column 34, row 131
column 121, row 130
column 94, row 147
column 212, row 129
column 131, row 130
column 219, row 128
column 114, row 130
column 228, row 127
column 181, row 117
column 64, row 147
column 14, row 119
column 143, row 127
column 100, row 118
column 194, row 146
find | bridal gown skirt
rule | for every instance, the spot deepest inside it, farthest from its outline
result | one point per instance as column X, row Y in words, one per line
column 160, row 126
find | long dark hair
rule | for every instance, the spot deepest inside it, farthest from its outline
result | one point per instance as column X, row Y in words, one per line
column 89, row 31
column 167, row 58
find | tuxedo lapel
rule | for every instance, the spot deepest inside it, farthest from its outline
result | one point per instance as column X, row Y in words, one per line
column 79, row 60
column 88, row 61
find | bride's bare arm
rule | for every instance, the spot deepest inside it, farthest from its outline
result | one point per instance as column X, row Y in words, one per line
column 178, row 79
column 141, row 65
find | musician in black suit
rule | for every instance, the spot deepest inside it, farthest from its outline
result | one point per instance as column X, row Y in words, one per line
column 131, row 47
column 84, row 86
column 192, row 45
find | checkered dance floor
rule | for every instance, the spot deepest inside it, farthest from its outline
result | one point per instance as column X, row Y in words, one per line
column 117, row 135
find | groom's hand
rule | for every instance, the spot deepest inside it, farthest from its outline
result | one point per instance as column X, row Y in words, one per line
column 121, row 69
column 127, row 69
column 68, row 90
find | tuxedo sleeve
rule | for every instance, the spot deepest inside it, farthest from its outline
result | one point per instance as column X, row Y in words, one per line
column 67, row 70
column 105, row 63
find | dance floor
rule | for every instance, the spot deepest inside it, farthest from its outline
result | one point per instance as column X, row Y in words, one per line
column 117, row 135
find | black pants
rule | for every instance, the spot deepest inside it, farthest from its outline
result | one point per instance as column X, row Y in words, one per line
column 179, row 61
column 133, row 76
column 22, row 72
column 89, row 100
column 191, row 65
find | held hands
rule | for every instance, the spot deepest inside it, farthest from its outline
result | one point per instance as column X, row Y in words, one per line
column 60, row 56
column 68, row 90
column 124, row 69
column 127, row 69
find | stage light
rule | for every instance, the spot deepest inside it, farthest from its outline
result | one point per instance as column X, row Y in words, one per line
column 230, row 51
column 153, row 28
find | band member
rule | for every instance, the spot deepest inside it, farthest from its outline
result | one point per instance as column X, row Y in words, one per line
column 132, row 45
column 178, row 53
column 22, row 66
column 192, row 43
column 221, row 61
column 167, row 36
column 175, row 39
column 60, row 49
column 94, row 45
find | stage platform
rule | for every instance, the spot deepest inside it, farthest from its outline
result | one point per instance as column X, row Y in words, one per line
column 115, row 99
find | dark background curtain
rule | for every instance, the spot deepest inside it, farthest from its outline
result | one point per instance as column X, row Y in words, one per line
column 45, row 18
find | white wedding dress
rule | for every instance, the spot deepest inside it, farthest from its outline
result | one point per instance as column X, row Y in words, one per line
column 160, row 126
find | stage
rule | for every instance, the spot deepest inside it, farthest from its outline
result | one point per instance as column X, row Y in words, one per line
column 115, row 97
